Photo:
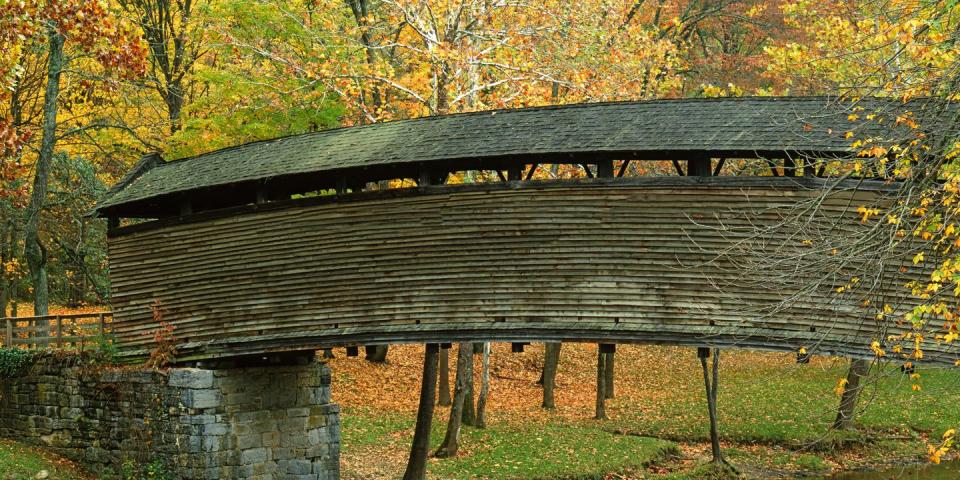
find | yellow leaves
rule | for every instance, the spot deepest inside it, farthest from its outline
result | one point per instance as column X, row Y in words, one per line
column 950, row 337
column 848, row 134
column 918, row 258
column 841, row 386
column 853, row 117
column 866, row 213
column 803, row 350
column 875, row 347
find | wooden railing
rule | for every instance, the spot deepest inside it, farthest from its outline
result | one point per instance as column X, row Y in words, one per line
column 61, row 331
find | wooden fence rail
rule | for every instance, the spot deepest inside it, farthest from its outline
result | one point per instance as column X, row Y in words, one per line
column 62, row 331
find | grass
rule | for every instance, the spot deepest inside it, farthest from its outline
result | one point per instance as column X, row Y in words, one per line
column 774, row 417
column 19, row 462
column 537, row 450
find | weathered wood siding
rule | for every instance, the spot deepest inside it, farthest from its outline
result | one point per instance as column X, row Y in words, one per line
column 604, row 261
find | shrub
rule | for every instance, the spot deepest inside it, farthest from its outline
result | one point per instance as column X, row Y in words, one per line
column 14, row 361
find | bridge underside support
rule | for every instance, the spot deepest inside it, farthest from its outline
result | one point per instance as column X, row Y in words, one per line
column 233, row 423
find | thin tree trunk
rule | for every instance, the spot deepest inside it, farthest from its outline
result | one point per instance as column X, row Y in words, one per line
column 444, row 399
column 33, row 249
column 551, row 361
column 601, row 413
column 174, row 100
column 712, row 386
column 451, row 440
column 846, row 413
column 417, row 464
column 469, row 408
column 5, row 256
column 376, row 353
column 484, row 387
column 608, row 372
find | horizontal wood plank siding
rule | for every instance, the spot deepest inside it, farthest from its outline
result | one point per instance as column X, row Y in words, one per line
column 603, row 262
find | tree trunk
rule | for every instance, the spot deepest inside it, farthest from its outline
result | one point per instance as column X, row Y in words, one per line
column 469, row 408
column 174, row 100
column 551, row 360
column 328, row 353
column 712, row 386
column 6, row 255
column 444, row 399
column 34, row 251
column 601, row 413
column 376, row 353
column 608, row 373
column 484, row 387
column 417, row 464
column 450, row 444
column 846, row 414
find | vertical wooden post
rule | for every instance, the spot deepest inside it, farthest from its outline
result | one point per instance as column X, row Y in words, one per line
column 789, row 167
column 601, row 411
column 186, row 207
column 604, row 168
column 698, row 167
column 515, row 173
column 59, row 321
column 9, row 334
column 103, row 324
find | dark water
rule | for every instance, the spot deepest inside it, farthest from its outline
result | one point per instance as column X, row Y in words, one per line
column 944, row 471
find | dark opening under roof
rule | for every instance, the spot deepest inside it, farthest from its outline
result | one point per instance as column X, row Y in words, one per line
column 661, row 129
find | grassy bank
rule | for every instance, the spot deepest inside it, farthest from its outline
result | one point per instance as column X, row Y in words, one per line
column 18, row 462
column 774, row 414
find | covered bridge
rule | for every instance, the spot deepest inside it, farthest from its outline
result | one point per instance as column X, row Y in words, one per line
column 295, row 244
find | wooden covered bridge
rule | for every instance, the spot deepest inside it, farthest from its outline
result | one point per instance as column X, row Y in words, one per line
column 295, row 244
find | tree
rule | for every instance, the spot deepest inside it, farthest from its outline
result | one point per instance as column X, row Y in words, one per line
column 417, row 463
column 851, row 387
column 711, row 381
column 903, row 51
column 175, row 39
column 469, row 407
column 91, row 29
column 428, row 57
column 484, row 386
column 450, row 444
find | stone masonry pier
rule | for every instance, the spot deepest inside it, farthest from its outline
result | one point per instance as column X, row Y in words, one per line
column 264, row 422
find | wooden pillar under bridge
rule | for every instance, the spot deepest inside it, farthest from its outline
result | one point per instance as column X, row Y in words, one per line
column 699, row 167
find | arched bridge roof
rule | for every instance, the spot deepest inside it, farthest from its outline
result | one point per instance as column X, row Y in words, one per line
column 757, row 127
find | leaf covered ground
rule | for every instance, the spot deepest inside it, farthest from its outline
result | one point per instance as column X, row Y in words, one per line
column 18, row 462
column 774, row 416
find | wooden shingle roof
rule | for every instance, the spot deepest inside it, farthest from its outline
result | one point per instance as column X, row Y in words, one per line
column 662, row 129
